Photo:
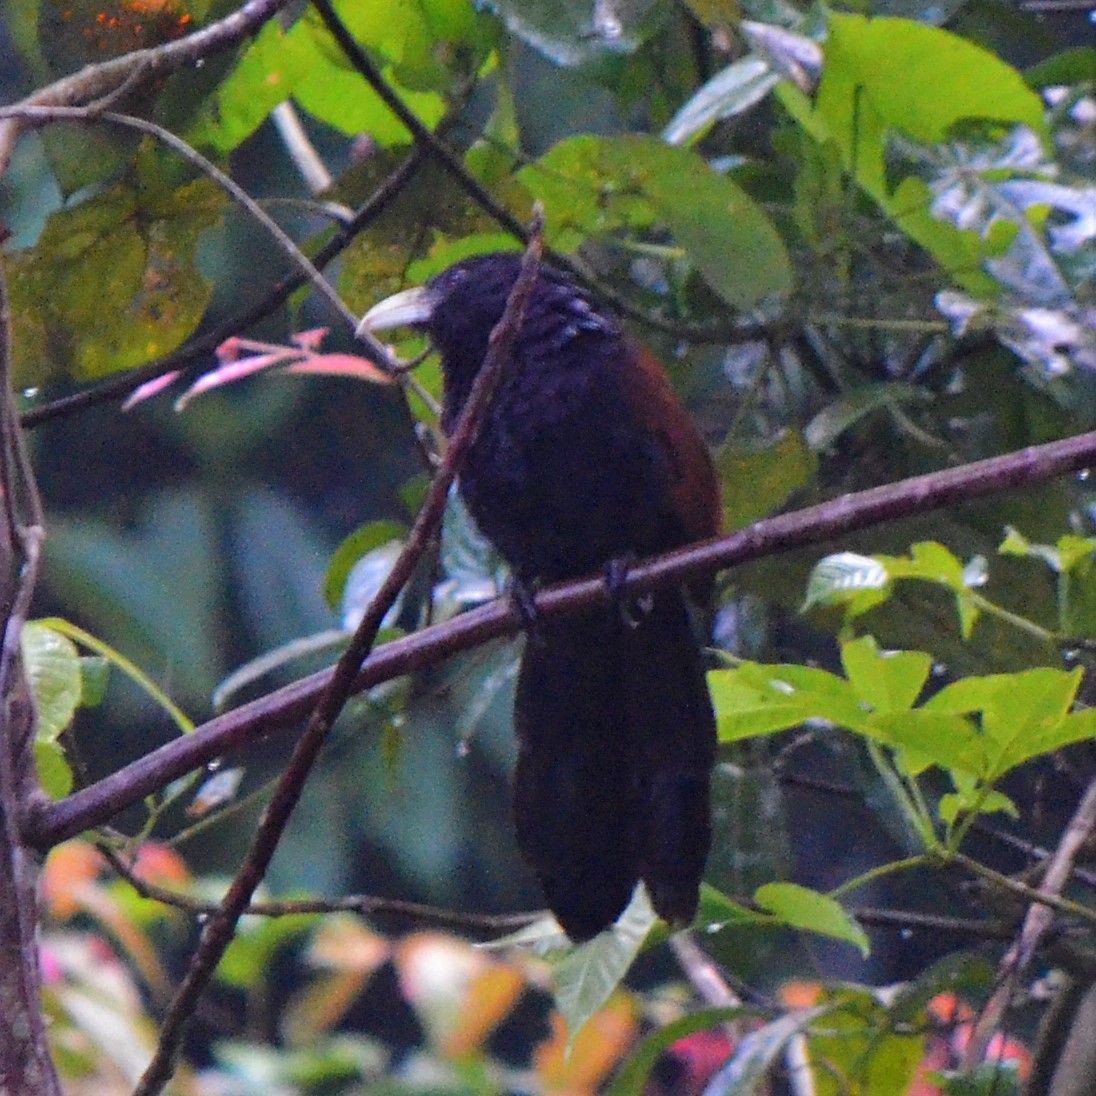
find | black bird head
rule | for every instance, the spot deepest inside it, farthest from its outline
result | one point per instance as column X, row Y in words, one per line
column 459, row 308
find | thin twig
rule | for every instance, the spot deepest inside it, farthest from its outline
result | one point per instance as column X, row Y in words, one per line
column 1022, row 890
column 97, row 82
column 710, row 986
column 91, row 806
column 913, row 920
column 421, row 134
column 221, row 927
column 1037, row 920
column 1029, row 849
column 367, row 905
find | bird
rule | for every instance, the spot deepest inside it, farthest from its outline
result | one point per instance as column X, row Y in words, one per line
column 587, row 461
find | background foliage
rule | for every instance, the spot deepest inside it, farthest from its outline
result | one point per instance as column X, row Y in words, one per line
column 864, row 241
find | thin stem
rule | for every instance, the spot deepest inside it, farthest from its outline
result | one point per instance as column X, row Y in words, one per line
column 835, row 319
column 1013, row 886
column 880, row 871
column 367, row 905
column 905, row 794
column 1021, row 623
column 130, row 669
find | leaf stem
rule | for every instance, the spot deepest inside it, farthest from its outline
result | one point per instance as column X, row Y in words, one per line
column 130, row 669
column 880, row 871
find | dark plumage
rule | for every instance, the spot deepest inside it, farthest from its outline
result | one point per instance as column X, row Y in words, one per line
column 587, row 457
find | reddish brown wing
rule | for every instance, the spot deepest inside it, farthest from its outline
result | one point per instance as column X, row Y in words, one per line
column 694, row 490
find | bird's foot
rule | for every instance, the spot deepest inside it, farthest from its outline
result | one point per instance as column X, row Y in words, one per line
column 632, row 610
column 522, row 596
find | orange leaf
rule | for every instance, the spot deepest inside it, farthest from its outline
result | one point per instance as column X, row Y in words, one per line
column 70, row 869
column 160, row 864
column 491, row 996
column 596, row 1050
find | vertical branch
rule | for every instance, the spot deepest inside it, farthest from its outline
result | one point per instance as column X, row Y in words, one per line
column 1037, row 922
column 26, row 1068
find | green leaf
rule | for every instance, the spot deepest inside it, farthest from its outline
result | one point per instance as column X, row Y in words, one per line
column 1073, row 550
column 408, row 35
column 945, row 79
column 1037, row 700
column 265, row 76
column 857, row 582
column 492, row 157
column 717, row 911
column 52, row 665
column 248, row 958
column 305, row 63
column 1071, row 66
column 602, row 186
column 756, row 481
column 445, row 252
column 890, row 681
column 586, row 977
column 929, row 561
column 754, row 699
column 1077, row 594
column 1072, row 559
column 347, row 103
column 803, row 908
column 857, row 1050
column 94, row 678
column 332, row 90
column 954, row 805
column 969, row 694
column 932, row 562
column 1079, row 726
column 53, row 672
column 1000, row 187
column 927, row 738
column 964, row 974
column 359, row 543
column 53, row 769
column 111, row 282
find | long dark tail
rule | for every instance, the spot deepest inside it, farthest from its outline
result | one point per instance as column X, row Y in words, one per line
column 616, row 743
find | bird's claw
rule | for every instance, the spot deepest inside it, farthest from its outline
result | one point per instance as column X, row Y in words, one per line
column 631, row 610
column 522, row 596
